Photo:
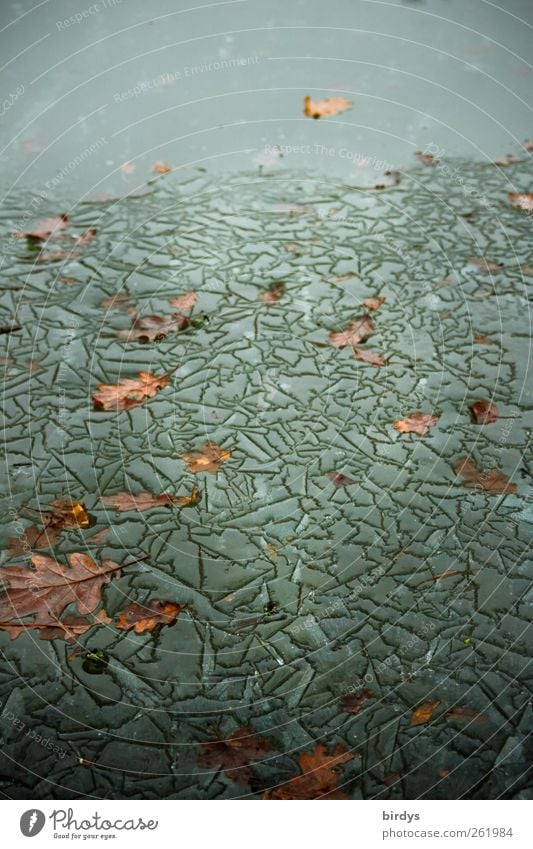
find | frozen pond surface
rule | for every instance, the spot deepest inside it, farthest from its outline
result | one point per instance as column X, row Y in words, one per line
column 314, row 611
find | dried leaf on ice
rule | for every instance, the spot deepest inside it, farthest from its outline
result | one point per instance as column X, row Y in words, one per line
column 125, row 501
column 374, row 303
column 120, row 302
column 152, row 328
column 234, row 754
column 161, row 168
column 323, row 108
column 482, row 340
column 492, row 481
column 68, row 628
column 185, row 303
column 426, row 158
column 523, row 200
column 129, row 392
column 65, row 513
column 147, row 617
column 208, row 459
column 49, row 228
column 339, row 480
column 483, row 412
column 416, row 422
column 272, row 295
column 466, row 713
column 352, row 703
column 319, row 778
column 356, row 331
column 423, row 713
column 371, row 357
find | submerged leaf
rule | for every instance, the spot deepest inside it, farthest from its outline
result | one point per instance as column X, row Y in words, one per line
column 124, row 501
column 417, row 422
column 339, row 480
column 129, row 392
column 272, row 295
column 483, row 412
column 234, row 754
column 323, row 108
column 208, row 459
column 423, row 713
column 147, row 617
column 185, row 303
column 492, row 481
column 151, row 328
column 356, row 331
column 49, row 228
column 522, row 200
column 371, row 357
column 319, row 778
column 374, row 303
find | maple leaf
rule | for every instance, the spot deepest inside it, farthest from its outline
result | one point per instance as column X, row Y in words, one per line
column 374, row 303
column 68, row 628
column 161, row 168
column 323, row 108
column 49, row 228
column 147, row 617
column 152, row 328
column 356, row 331
column 208, row 459
column 416, row 422
column 371, row 357
column 124, row 501
column 234, row 754
column 483, row 412
column 522, row 200
column 423, row 713
column 185, row 302
column 318, row 779
column 492, row 481
column 272, row 295
column 426, row 158
column 339, row 480
column 50, row 586
column 352, row 703
column 129, row 392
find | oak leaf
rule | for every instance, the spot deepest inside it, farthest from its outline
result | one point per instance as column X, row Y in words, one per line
column 65, row 513
column 371, row 357
column 483, row 412
column 523, row 200
column 147, row 617
column 416, row 422
column 124, row 501
column 234, row 754
column 319, row 778
column 129, row 392
column 186, row 302
column 492, row 481
column 423, row 713
column 208, row 459
column 323, row 108
column 356, row 331
column 151, row 328
column 67, row 629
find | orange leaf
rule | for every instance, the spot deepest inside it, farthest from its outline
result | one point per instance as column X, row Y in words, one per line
column 208, row 459
column 483, row 412
column 147, row 617
column 185, row 302
column 129, row 392
column 371, row 357
column 417, row 422
column 161, row 168
column 522, row 200
column 373, row 303
column 356, row 331
column 318, row 779
column 323, row 108
column 272, row 295
column 124, row 501
column 492, row 481
column 424, row 713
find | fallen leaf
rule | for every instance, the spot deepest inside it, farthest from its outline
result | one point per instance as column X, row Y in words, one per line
column 124, row 501
column 507, row 159
column 71, row 514
column 45, row 590
column 354, row 703
column 85, row 238
column 482, row 340
column 492, row 481
column 339, row 480
column 98, row 538
column 54, row 256
column 161, row 168
column 484, row 265
column 423, row 713
column 373, row 303
column 68, row 628
column 416, row 422
column 522, row 200
column 318, row 779
column 234, row 754
column 371, row 357
column 483, row 412
column 152, row 328
column 129, row 392
column 208, row 459
column 466, row 713
column 323, row 108
column 120, row 302
column 186, row 302
column 272, row 295
column 356, row 331
column 65, row 513
column 49, row 228
column 426, row 158
column 444, row 773
column 147, row 617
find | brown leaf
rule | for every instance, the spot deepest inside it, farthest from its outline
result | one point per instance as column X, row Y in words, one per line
column 371, row 357
column 49, row 228
column 68, row 628
column 318, row 779
column 492, row 481
column 69, row 513
column 120, row 302
column 45, row 590
column 124, row 501
column 339, row 480
column 129, row 392
column 484, row 265
column 208, row 459
column 482, row 340
column 354, row 703
column 272, row 295
column 374, row 303
column 161, row 168
column 151, row 328
column 98, row 538
column 147, row 617
column 186, row 302
column 507, row 159
column 65, row 514
column 323, row 108
column 466, row 713
column 85, row 238
column 522, row 200
column 356, row 331
column 483, row 412
column 426, row 158
column 417, row 422
column 424, row 713
column 234, row 754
